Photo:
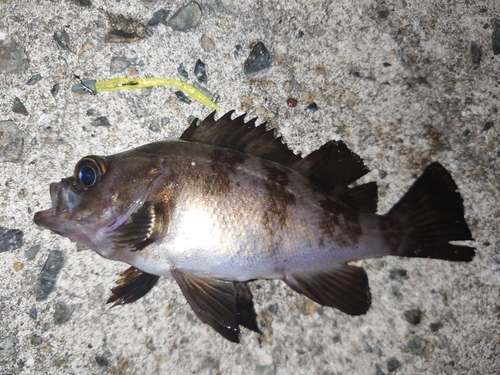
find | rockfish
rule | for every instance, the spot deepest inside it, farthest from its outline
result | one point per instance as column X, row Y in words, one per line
column 229, row 203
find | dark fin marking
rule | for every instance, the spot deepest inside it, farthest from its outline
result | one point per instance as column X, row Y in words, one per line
column 431, row 214
column 213, row 301
column 344, row 288
column 363, row 197
column 138, row 230
column 244, row 304
column 334, row 166
column 132, row 285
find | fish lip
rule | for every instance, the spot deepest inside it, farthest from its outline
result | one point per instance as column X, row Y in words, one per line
column 64, row 200
column 40, row 217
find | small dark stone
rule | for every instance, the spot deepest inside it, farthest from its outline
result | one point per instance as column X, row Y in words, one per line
column 422, row 80
column 466, row 132
column 31, row 252
column 13, row 59
column 237, row 50
column 101, row 121
column 386, row 65
column 34, row 79
column 120, row 36
column 18, row 107
column 160, row 16
column 368, row 348
column 62, row 312
column 488, row 125
column 413, row 316
column 7, row 347
column 182, row 97
column 378, row 370
column 397, row 273
column 415, row 346
column 119, row 64
column 10, row 239
column 186, row 17
column 291, row 102
column 101, row 360
column 468, row 100
column 200, row 71
column 300, row 34
column 47, row 277
column 182, row 72
column 383, row 14
column 356, row 74
column 35, row 340
column 258, row 60
column 33, row 313
column 55, row 89
column 434, row 327
column 393, row 364
column 495, row 41
column 155, row 127
column 313, row 107
column 62, row 38
column 273, row 308
column 11, row 144
column 82, row 3
column 475, row 53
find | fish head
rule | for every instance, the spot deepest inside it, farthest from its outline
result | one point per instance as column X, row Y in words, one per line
column 100, row 197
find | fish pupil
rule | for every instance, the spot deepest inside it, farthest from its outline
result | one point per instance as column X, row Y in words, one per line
column 87, row 176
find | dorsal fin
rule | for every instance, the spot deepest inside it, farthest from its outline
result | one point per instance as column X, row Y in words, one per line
column 333, row 165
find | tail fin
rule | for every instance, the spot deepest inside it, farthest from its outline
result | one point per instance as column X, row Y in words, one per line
column 431, row 214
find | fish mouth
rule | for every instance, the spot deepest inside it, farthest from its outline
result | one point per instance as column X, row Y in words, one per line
column 64, row 200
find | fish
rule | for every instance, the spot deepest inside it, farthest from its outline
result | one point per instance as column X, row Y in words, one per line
column 229, row 203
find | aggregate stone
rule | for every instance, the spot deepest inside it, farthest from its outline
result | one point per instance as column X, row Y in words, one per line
column 101, row 121
column 7, row 347
column 200, row 71
column 55, row 89
column 47, row 277
column 31, row 252
column 413, row 316
column 10, row 239
column 182, row 97
column 62, row 312
column 18, row 107
column 34, row 79
column 160, row 16
column 393, row 364
column 13, row 59
column 186, row 17
column 258, row 60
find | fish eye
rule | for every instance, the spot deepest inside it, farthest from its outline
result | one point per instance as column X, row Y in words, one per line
column 87, row 175
column 89, row 170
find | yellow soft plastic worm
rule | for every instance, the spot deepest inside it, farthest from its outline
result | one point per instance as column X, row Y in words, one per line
column 93, row 87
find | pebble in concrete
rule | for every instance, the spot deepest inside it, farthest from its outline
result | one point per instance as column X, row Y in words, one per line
column 186, row 17
column 13, row 59
column 258, row 60
column 47, row 277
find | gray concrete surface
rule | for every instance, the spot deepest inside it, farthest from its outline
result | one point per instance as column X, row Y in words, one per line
column 402, row 82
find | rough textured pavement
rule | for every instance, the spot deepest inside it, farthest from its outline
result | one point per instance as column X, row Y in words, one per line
column 402, row 82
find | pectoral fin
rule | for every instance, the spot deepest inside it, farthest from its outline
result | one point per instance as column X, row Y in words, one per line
column 135, row 234
column 213, row 300
column 132, row 285
column 345, row 288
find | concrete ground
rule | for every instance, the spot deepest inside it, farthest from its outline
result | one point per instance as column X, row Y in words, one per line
column 401, row 82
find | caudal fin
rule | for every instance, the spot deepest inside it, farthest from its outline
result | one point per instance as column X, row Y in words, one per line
column 431, row 215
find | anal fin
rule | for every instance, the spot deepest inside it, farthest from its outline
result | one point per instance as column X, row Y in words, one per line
column 244, row 304
column 344, row 288
column 132, row 285
column 213, row 300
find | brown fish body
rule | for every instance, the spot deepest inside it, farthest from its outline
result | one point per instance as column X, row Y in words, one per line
column 229, row 203
column 243, row 217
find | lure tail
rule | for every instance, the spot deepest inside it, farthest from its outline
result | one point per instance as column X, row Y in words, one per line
column 431, row 214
